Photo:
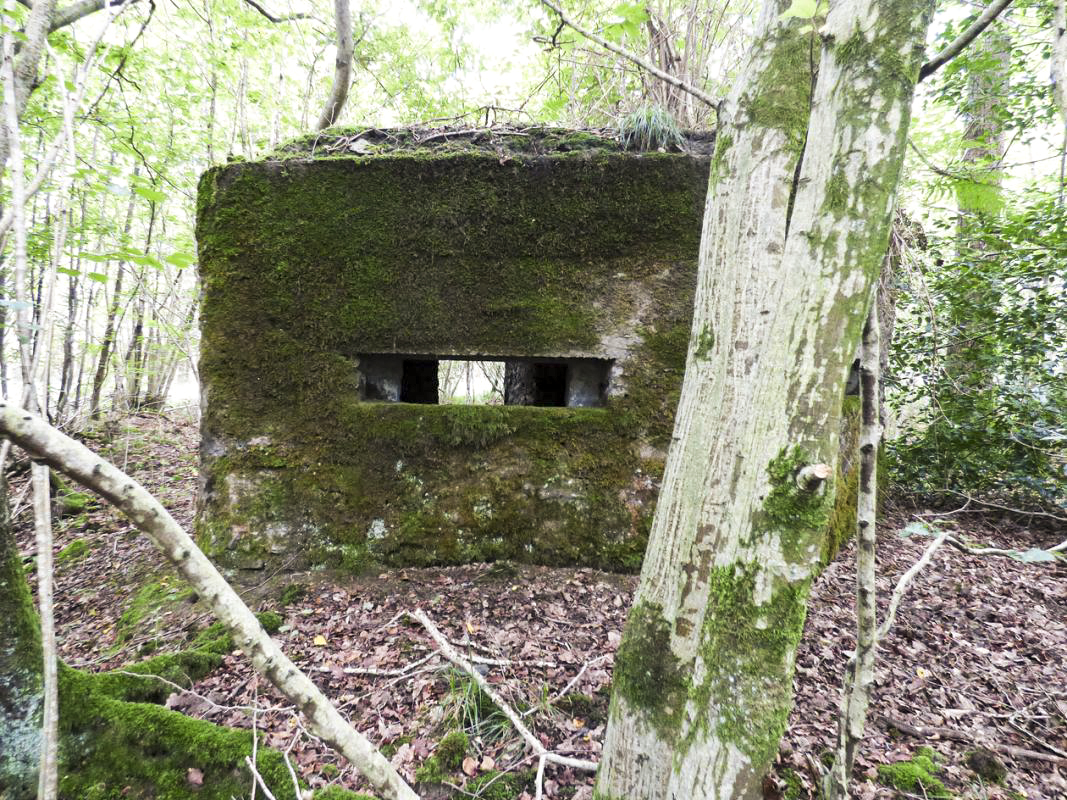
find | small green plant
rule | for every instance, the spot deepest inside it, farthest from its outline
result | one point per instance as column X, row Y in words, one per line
column 293, row 593
column 451, row 749
column 916, row 775
column 650, row 127
column 472, row 710
column 430, row 771
column 75, row 551
column 494, row 785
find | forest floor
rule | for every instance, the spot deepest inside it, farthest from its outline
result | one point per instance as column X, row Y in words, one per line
column 977, row 658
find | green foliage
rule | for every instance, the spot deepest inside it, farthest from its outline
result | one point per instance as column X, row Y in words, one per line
column 983, row 380
column 472, row 710
column 650, row 127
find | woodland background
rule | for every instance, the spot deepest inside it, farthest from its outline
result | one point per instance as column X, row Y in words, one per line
column 134, row 101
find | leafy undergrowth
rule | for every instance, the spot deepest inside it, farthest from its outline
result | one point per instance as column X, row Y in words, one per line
column 978, row 652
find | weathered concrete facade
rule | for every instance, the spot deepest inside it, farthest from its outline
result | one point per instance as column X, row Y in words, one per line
column 324, row 276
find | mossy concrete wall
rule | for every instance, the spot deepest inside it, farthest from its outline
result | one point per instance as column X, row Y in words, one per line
column 567, row 249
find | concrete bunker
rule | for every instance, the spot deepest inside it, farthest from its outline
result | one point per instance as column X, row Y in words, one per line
column 339, row 275
column 557, row 382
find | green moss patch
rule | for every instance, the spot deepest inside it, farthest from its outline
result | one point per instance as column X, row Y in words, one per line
column 114, row 750
column 451, row 749
column 75, row 551
column 647, row 673
column 751, row 687
column 916, row 775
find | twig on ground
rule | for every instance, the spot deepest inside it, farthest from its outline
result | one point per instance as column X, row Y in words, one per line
column 183, row 690
column 1036, row 739
column 449, row 652
column 930, row 732
column 1019, row 511
column 400, row 672
column 258, row 779
column 540, row 782
column 292, row 773
column 902, row 585
column 570, row 684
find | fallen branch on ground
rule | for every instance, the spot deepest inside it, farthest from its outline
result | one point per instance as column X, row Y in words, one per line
column 449, row 652
column 930, row 732
column 45, row 443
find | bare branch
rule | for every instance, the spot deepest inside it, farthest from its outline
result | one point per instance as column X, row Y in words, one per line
column 904, row 582
column 271, row 17
column 83, row 8
column 957, row 46
column 930, row 732
column 649, row 68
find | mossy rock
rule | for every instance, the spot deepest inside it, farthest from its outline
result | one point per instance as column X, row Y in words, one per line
column 109, row 749
column 114, row 750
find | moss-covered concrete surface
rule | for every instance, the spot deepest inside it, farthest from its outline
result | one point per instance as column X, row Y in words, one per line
column 566, row 247
column 547, row 243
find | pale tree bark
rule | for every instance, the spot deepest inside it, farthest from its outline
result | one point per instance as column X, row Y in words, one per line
column 48, row 763
column 45, row 444
column 1059, row 78
column 23, row 77
column 801, row 191
column 342, row 75
column 859, row 674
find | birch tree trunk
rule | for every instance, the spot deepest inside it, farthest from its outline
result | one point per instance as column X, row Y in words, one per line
column 859, row 674
column 801, row 191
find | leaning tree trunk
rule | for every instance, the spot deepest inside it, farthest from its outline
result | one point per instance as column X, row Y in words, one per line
column 794, row 234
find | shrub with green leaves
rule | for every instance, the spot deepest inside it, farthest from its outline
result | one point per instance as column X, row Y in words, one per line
column 979, row 363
